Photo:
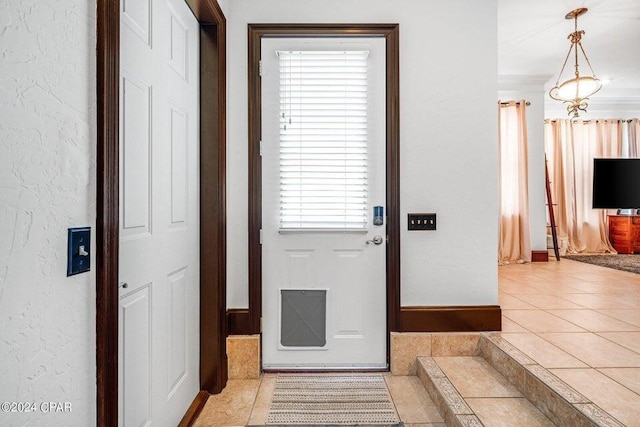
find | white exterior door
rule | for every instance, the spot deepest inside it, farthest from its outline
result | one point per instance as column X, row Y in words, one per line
column 159, row 212
column 323, row 286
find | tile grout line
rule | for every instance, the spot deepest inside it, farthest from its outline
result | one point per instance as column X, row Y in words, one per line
column 557, row 348
column 256, row 399
column 583, row 330
column 634, row 310
column 615, row 380
column 610, row 340
column 589, row 309
column 570, row 354
column 598, row 335
column 386, row 384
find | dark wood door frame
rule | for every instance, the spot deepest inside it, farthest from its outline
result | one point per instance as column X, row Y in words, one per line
column 213, row 364
column 256, row 33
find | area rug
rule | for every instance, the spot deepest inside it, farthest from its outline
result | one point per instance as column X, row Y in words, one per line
column 314, row 399
column 619, row 262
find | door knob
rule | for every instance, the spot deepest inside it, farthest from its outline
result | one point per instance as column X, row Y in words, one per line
column 377, row 240
column 123, row 285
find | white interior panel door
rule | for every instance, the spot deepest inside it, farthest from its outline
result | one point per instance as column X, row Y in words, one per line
column 323, row 285
column 159, row 212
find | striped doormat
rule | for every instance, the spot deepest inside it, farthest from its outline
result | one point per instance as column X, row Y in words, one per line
column 316, row 399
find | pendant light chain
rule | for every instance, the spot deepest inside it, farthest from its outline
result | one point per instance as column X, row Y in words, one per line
column 575, row 92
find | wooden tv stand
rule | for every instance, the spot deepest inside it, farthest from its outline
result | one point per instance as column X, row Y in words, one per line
column 624, row 233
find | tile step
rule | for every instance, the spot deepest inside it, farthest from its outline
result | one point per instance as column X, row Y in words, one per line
column 507, row 373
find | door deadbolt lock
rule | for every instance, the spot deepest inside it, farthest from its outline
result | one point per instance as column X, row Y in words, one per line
column 377, row 240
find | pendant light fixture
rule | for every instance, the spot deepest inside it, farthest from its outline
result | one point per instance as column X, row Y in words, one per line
column 576, row 91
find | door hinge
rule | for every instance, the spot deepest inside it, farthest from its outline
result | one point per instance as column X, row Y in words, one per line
column 260, row 147
column 260, row 68
column 261, row 236
column 260, row 324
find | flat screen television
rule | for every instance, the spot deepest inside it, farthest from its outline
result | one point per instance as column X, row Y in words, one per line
column 616, row 183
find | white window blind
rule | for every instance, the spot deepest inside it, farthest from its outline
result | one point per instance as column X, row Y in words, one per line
column 323, row 140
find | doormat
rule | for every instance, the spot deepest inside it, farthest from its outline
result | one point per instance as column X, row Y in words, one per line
column 320, row 399
column 622, row 262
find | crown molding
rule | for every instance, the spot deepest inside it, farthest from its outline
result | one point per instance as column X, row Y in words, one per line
column 523, row 83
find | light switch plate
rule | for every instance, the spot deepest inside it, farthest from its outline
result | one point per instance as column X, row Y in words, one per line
column 78, row 250
column 421, row 221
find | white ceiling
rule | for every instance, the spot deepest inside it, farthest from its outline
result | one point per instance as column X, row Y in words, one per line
column 532, row 40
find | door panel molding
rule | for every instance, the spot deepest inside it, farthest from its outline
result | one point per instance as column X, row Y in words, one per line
column 238, row 319
column 213, row 325
column 137, row 337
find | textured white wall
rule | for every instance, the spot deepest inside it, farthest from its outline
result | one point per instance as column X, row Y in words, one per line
column 448, row 90
column 47, row 184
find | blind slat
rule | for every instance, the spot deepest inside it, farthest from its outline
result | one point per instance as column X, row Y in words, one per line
column 323, row 140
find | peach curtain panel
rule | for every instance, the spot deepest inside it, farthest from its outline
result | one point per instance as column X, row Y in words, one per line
column 634, row 137
column 571, row 146
column 514, row 243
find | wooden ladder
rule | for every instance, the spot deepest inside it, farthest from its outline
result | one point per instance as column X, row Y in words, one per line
column 552, row 216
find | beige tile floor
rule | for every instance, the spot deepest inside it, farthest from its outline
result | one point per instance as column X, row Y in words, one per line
column 246, row 402
column 580, row 321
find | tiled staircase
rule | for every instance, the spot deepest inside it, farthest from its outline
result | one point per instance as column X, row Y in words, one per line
column 493, row 383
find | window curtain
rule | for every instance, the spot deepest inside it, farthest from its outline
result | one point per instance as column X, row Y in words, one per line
column 633, row 137
column 514, row 239
column 571, row 146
